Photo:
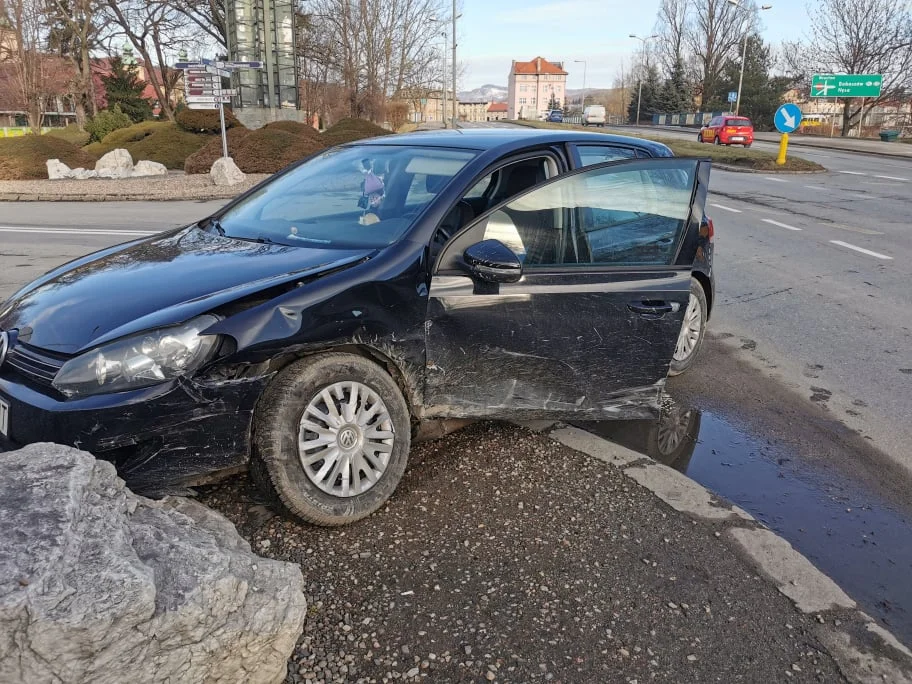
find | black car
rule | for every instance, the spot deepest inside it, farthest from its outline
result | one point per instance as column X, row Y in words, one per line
column 313, row 324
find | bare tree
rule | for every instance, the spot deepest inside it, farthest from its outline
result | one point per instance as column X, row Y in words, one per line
column 208, row 16
column 37, row 76
column 713, row 31
column 671, row 26
column 74, row 35
column 860, row 37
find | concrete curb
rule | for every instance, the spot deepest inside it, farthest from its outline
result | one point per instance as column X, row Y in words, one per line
column 863, row 649
column 740, row 169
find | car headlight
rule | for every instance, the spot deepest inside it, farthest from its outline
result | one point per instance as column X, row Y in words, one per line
column 149, row 358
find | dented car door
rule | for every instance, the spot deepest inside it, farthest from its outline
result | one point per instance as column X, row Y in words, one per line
column 568, row 299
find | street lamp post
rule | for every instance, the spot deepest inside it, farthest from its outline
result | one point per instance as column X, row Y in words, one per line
column 644, row 41
column 738, row 4
column 583, row 62
column 443, row 81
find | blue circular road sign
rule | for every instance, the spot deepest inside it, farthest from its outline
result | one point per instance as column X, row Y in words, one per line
column 788, row 118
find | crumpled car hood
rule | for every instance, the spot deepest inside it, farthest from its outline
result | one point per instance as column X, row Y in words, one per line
column 154, row 282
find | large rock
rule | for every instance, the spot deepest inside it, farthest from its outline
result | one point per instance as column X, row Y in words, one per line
column 83, row 174
column 100, row 585
column 115, row 164
column 225, row 172
column 57, row 170
column 149, row 168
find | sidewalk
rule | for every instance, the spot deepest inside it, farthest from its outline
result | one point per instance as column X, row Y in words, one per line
column 514, row 556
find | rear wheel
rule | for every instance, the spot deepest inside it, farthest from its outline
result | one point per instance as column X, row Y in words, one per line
column 693, row 329
column 331, row 439
column 746, row 145
column 717, row 141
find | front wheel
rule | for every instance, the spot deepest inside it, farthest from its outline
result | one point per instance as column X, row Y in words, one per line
column 331, row 439
column 699, row 137
column 693, row 329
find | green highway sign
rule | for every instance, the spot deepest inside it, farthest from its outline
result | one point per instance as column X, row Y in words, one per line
column 846, row 85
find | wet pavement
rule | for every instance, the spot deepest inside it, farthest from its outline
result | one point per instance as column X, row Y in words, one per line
column 850, row 532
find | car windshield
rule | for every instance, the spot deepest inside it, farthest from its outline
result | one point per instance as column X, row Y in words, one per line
column 738, row 122
column 347, row 197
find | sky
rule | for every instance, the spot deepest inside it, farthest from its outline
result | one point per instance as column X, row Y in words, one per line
column 492, row 34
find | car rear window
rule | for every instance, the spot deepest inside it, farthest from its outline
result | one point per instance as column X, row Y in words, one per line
column 738, row 122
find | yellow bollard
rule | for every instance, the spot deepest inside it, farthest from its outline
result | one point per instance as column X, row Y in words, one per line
column 783, row 148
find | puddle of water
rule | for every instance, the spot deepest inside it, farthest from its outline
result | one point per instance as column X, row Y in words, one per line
column 852, row 535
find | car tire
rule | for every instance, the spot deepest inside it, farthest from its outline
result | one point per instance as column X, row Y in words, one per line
column 305, row 395
column 699, row 137
column 717, row 141
column 746, row 145
column 693, row 330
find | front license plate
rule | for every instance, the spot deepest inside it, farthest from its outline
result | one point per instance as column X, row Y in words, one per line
column 4, row 418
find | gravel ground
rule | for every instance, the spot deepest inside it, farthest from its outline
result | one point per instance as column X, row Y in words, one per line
column 174, row 186
column 506, row 557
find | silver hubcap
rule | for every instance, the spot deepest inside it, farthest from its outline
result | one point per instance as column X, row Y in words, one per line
column 690, row 330
column 672, row 431
column 345, row 439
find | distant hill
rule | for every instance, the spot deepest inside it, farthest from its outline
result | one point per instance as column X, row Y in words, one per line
column 486, row 93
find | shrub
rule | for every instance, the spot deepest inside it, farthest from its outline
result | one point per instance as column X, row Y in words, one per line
column 397, row 114
column 265, row 150
column 295, row 128
column 350, row 130
column 106, row 121
column 205, row 120
column 158, row 141
column 72, row 133
column 201, row 160
column 24, row 158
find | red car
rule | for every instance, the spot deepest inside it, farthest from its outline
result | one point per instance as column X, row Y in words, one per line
column 728, row 130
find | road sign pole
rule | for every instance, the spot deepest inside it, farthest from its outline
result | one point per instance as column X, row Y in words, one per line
column 222, row 122
column 783, row 148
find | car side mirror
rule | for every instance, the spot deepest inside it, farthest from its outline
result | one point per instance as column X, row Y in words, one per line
column 493, row 262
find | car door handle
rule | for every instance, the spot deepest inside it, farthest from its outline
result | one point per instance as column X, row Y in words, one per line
column 650, row 307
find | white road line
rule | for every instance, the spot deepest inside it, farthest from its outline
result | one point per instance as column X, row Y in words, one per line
column 775, row 180
column 861, row 249
column 892, row 178
column 719, row 206
column 853, row 173
column 75, row 231
column 817, row 187
column 781, row 225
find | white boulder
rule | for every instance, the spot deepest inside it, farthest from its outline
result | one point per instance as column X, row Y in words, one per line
column 149, row 168
column 100, row 585
column 57, row 170
column 83, row 174
column 115, row 164
column 225, row 172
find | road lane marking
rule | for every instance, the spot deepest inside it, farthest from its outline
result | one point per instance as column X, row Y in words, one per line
column 853, row 173
column 723, row 207
column 817, row 187
column 781, row 225
column 877, row 255
column 892, row 178
column 75, row 231
column 775, row 180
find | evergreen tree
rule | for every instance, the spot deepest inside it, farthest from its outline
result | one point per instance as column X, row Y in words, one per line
column 553, row 103
column 676, row 96
column 650, row 101
column 123, row 87
column 761, row 94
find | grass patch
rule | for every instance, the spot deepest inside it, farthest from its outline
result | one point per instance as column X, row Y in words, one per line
column 72, row 134
column 158, row 141
column 24, row 158
column 732, row 156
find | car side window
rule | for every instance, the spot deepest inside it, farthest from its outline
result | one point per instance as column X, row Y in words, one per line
column 628, row 215
column 597, row 154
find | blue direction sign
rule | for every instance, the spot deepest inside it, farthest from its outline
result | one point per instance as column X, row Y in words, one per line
column 788, row 118
column 732, row 95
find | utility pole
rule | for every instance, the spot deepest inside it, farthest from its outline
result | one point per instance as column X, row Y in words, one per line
column 583, row 62
column 443, row 81
column 455, row 16
column 644, row 41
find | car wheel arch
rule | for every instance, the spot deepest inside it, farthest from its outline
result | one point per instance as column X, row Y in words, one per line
column 703, row 279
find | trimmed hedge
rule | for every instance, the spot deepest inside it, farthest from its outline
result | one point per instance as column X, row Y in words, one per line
column 72, row 134
column 205, row 120
column 295, row 128
column 24, row 158
column 158, row 141
column 265, row 150
column 350, row 130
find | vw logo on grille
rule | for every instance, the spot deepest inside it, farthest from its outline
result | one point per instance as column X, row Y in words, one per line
column 4, row 345
column 347, row 438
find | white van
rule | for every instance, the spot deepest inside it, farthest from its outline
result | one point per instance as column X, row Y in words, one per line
column 594, row 115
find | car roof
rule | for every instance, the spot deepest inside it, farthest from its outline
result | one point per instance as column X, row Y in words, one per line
column 508, row 139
